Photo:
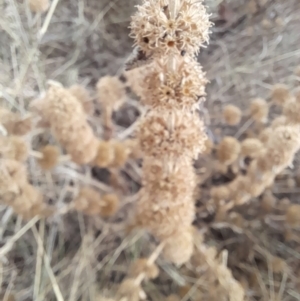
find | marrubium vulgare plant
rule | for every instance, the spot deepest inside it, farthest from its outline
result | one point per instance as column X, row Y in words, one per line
column 171, row 135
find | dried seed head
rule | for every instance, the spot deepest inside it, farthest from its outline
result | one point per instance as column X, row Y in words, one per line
column 171, row 134
column 291, row 110
column 109, row 205
column 141, row 265
column 154, row 30
column 38, row 6
column 292, row 215
column 278, row 265
column 120, row 152
column 14, row 123
column 105, row 154
column 81, row 94
column 228, row 150
column 68, row 124
column 265, row 135
column 181, row 88
column 179, row 246
column 90, row 202
column 111, row 92
column 87, row 201
column 251, row 147
column 50, row 157
column 16, row 192
column 129, row 291
column 280, row 94
column 161, row 216
column 283, row 144
column 13, row 147
column 259, row 110
column 168, row 184
column 232, row 115
column 279, row 121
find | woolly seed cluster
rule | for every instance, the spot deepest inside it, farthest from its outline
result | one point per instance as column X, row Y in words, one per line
column 170, row 134
column 15, row 191
column 74, row 133
column 156, row 31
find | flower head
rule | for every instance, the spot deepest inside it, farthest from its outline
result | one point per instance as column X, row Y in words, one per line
column 155, row 31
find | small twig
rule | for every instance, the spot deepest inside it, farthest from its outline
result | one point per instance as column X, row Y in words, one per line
column 7, row 247
column 48, row 19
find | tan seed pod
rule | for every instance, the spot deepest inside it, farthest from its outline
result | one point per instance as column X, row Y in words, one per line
column 14, row 123
column 232, row 115
column 291, row 111
column 87, row 201
column 278, row 265
column 121, row 153
column 105, row 154
column 279, row 121
column 179, row 246
column 265, row 135
column 292, row 215
column 141, row 265
column 80, row 93
column 280, row 94
column 251, row 147
column 259, row 110
column 128, row 290
column 50, row 157
column 38, row 6
column 228, row 150
column 13, row 147
column 111, row 92
column 109, row 205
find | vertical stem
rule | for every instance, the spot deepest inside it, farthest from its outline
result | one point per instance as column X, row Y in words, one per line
column 173, row 8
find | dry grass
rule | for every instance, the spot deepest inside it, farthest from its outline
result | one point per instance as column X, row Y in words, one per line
column 70, row 257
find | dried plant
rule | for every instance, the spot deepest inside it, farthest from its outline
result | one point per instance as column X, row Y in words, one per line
column 170, row 134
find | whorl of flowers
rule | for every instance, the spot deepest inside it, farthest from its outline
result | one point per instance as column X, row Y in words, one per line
column 179, row 89
column 157, row 30
column 15, row 191
column 269, row 160
column 170, row 134
column 68, row 123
